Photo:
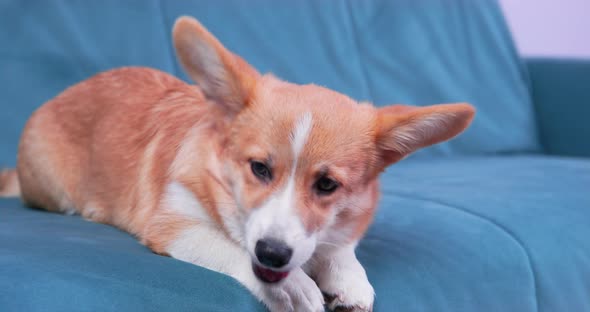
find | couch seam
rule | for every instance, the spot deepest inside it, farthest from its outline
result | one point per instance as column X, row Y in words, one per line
column 524, row 74
column 355, row 42
column 531, row 91
column 501, row 228
column 168, row 38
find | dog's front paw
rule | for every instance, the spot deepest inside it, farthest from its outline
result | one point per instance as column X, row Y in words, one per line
column 345, row 287
column 297, row 293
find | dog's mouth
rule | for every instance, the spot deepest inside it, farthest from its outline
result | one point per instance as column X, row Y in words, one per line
column 267, row 275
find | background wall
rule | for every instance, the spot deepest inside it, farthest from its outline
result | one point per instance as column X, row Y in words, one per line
column 550, row 27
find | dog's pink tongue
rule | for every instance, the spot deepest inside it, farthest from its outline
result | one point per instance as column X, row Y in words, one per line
column 269, row 276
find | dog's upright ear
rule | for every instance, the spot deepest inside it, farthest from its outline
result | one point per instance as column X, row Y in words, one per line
column 403, row 129
column 223, row 76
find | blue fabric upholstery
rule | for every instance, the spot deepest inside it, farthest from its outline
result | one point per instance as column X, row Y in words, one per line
column 51, row 262
column 539, row 204
column 562, row 101
column 471, row 231
column 49, row 45
column 461, row 234
column 413, row 52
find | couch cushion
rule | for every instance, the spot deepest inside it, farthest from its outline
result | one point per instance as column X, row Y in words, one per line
column 404, row 51
column 49, row 45
column 464, row 234
column 416, row 52
column 52, row 262
column 425, row 52
column 540, row 204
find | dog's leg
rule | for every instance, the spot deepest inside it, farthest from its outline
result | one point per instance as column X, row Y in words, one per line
column 341, row 278
column 205, row 245
column 9, row 186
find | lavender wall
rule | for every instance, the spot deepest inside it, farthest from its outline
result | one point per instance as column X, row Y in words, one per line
column 550, row 27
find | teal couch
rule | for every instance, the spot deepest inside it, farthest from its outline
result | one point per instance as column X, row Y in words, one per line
column 495, row 220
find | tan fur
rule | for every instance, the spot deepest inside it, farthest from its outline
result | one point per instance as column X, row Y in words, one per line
column 163, row 229
column 9, row 186
column 108, row 146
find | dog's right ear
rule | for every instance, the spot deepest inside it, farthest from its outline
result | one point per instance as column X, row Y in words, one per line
column 223, row 76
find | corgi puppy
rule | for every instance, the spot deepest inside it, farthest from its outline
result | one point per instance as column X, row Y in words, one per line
column 269, row 182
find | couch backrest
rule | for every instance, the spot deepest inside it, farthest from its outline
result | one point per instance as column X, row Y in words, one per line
column 405, row 51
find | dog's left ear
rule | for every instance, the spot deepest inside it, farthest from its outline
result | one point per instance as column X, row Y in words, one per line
column 403, row 129
column 223, row 76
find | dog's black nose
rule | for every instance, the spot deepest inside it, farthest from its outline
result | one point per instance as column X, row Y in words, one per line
column 272, row 253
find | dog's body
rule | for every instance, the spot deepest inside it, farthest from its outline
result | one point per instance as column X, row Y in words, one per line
column 269, row 182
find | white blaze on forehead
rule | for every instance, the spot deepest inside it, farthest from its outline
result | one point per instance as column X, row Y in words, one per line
column 300, row 133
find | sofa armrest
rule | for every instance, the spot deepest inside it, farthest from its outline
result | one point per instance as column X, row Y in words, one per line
column 561, row 95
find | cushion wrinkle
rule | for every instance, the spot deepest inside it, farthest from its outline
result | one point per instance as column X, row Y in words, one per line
column 500, row 228
column 363, row 68
column 168, row 35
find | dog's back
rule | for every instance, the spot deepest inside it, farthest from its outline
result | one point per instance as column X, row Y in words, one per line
column 112, row 119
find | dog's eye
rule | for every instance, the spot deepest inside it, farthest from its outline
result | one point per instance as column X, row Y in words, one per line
column 261, row 171
column 325, row 186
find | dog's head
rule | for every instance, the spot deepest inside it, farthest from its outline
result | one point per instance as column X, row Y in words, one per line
column 302, row 160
